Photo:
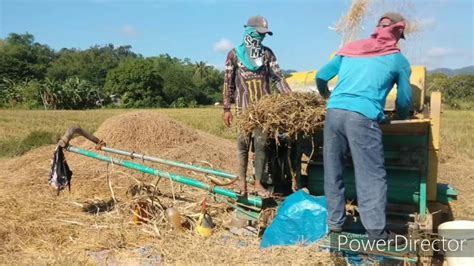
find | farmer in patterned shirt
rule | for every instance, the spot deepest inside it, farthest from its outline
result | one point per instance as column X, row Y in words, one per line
column 248, row 70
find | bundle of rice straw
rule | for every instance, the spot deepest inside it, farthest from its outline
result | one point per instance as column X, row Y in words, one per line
column 292, row 114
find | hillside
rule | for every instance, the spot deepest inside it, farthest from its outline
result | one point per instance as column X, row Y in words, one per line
column 469, row 70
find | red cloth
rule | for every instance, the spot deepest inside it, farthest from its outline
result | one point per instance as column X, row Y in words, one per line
column 382, row 42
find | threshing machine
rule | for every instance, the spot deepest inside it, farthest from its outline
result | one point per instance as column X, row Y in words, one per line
column 416, row 201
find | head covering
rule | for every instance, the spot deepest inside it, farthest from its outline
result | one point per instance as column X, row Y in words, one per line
column 250, row 51
column 382, row 42
column 260, row 24
column 395, row 18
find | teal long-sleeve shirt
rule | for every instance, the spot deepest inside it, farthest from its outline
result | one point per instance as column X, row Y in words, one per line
column 364, row 83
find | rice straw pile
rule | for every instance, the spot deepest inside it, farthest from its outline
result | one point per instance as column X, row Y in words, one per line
column 292, row 114
column 145, row 129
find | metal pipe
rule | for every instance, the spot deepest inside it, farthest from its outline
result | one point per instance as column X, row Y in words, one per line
column 171, row 163
column 76, row 130
column 250, row 201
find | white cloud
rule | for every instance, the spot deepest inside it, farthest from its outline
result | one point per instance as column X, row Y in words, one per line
column 439, row 52
column 129, row 31
column 223, row 45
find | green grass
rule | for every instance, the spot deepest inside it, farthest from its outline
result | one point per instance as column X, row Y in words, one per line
column 35, row 139
column 457, row 128
column 206, row 119
column 22, row 130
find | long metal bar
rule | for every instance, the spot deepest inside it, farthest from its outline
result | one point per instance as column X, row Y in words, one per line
column 250, row 200
column 171, row 163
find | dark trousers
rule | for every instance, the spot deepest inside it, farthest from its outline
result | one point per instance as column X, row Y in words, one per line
column 243, row 147
column 345, row 132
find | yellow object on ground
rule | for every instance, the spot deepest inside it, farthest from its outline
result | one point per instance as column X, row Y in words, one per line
column 204, row 225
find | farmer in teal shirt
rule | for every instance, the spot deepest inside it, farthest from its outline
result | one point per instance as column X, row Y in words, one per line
column 367, row 70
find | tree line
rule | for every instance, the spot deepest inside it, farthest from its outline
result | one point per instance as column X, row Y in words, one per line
column 457, row 91
column 32, row 75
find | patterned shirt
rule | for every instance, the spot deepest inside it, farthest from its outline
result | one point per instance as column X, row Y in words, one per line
column 244, row 87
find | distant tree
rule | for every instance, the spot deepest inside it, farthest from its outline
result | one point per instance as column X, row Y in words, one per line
column 92, row 64
column 455, row 90
column 137, row 83
column 34, row 75
column 73, row 93
column 51, row 93
column 178, row 80
column 21, row 58
column 437, row 82
column 10, row 95
column 201, row 69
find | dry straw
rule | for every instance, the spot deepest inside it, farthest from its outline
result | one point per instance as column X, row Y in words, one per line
column 86, row 226
column 350, row 24
column 291, row 114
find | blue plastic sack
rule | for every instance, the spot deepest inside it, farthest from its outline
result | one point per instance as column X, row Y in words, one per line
column 301, row 219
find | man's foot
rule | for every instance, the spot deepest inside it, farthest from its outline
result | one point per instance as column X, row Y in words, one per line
column 261, row 191
column 241, row 188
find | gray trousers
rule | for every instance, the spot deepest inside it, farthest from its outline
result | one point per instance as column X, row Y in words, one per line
column 243, row 148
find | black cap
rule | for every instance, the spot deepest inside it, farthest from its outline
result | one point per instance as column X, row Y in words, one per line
column 260, row 24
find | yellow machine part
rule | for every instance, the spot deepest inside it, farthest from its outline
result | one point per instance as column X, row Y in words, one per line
column 304, row 81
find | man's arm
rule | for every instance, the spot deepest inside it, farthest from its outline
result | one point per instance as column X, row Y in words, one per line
column 229, row 87
column 326, row 73
column 404, row 93
column 276, row 74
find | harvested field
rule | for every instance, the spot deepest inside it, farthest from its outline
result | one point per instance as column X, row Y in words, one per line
column 39, row 227
column 86, row 226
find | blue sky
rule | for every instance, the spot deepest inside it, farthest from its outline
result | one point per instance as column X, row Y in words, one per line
column 204, row 30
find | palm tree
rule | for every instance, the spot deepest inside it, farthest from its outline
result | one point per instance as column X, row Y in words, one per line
column 202, row 69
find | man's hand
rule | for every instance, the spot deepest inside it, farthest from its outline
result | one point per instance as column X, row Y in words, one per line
column 227, row 118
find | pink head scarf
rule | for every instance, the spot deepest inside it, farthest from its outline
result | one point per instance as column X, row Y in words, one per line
column 382, row 42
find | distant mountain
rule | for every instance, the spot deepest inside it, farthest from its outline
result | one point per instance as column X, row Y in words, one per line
column 469, row 70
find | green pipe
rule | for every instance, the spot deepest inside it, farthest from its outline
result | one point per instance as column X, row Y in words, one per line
column 250, row 201
column 171, row 163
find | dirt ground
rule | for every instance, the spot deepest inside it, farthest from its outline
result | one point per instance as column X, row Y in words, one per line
column 41, row 228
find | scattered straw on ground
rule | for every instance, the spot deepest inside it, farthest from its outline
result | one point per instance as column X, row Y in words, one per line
column 86, row 226
column 292, row 114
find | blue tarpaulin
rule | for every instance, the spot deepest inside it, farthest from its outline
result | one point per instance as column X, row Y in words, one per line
column 301, row 219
